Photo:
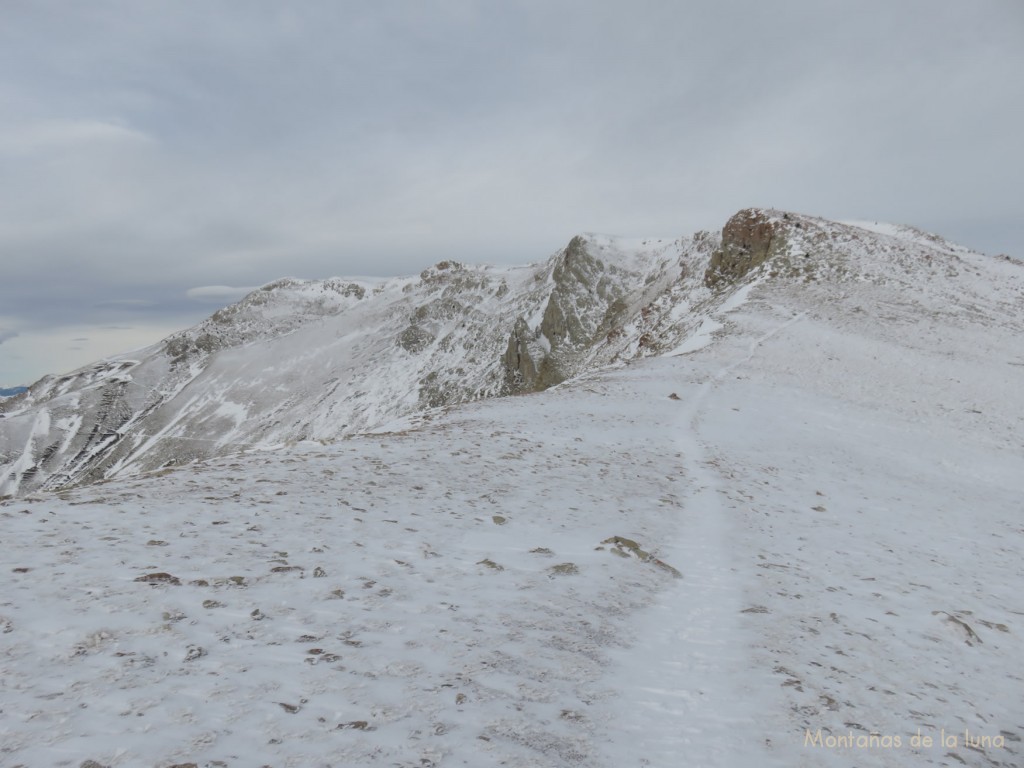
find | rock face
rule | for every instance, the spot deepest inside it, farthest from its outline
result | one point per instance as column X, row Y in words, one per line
column 584, row 292
column 749, row 239
column 320, row 360
column 522, row 359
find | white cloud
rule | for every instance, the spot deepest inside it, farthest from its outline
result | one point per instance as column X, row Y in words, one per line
column 48, row 136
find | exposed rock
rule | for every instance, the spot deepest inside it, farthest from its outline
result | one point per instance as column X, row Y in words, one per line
column 159, row 578
column 564, row 569
column 442, row 271
column 521, row 359
column 415, row 339
column 586, row 298
column 749, row 238
column 357, row 725
column 629, row 548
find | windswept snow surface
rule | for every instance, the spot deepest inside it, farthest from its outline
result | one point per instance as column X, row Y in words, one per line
column 836, row 477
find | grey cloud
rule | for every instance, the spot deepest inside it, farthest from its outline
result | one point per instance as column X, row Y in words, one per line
column 49, row 137
column 124, row 303
column 218, row 294
column 7, row 335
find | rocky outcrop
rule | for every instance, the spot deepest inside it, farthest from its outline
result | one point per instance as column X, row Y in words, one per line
column 587, row 296
column 749, row 239
column 522, row 360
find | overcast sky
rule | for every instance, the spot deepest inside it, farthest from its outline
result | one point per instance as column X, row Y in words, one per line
column 152, row 150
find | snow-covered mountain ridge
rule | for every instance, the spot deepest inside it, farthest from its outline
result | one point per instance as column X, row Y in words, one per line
column 320, row 360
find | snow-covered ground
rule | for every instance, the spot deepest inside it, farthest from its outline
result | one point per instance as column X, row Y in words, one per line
column 796, row 543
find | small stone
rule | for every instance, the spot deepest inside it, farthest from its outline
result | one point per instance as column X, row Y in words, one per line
column 564, row 569
column 159, row 578
column 358, row 725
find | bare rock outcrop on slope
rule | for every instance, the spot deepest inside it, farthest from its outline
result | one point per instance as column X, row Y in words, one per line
column 585, row 291
column 749, row 239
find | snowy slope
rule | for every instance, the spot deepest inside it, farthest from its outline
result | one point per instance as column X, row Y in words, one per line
column 794, row 542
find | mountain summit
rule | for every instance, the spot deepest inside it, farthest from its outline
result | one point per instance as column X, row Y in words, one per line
column 320, row 360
